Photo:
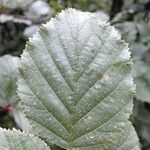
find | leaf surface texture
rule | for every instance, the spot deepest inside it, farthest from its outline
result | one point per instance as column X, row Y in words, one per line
column 76, row 85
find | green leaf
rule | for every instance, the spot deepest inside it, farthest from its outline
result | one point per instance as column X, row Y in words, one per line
column 8, row 78
column 8, row 88
column 76, row 85
column 17, row 140
column 13, row 4
column 143, row 89
column 128, row 140
column 21, row 121
column 128, row 30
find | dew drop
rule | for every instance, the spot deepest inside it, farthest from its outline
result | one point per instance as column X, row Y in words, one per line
column 97, row 86
column 122, row 124
column 59, row 79
column 70, row 97
column 91, row 137
column 57, row 59
column 89, row 117
column 50, row 119
column 111, row 100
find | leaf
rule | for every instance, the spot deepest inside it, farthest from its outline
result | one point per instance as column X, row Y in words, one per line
column 17, row 140
column 121, row 17
column 8, row 88
column 8, row 78
column 143, row 89
column 137, row 34
column 38, row 8
column 29, row 31
column 102, row 15
column 128, row 140
column 128, row 30
column 13, row 4
column 76, row 85
column 21, row 121
column 144, row 31
column 5, row 18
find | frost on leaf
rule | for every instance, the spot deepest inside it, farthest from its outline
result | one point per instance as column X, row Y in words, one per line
column 17, row 140
column 8, row 79
column 76, row 84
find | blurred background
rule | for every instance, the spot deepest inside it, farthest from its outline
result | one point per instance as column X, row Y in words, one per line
column 19, row 20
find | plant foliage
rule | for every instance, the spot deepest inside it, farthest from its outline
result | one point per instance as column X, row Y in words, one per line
column 76, row 85
column 8, row 78
column 16, row 140
column 8, row 94
column 13, row 4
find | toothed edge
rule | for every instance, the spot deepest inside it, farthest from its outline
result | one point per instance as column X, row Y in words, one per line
column 106, row 24
column 23, row 133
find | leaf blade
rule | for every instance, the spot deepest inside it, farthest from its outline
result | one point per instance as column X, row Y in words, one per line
column 17, row 140
column 77, row 75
